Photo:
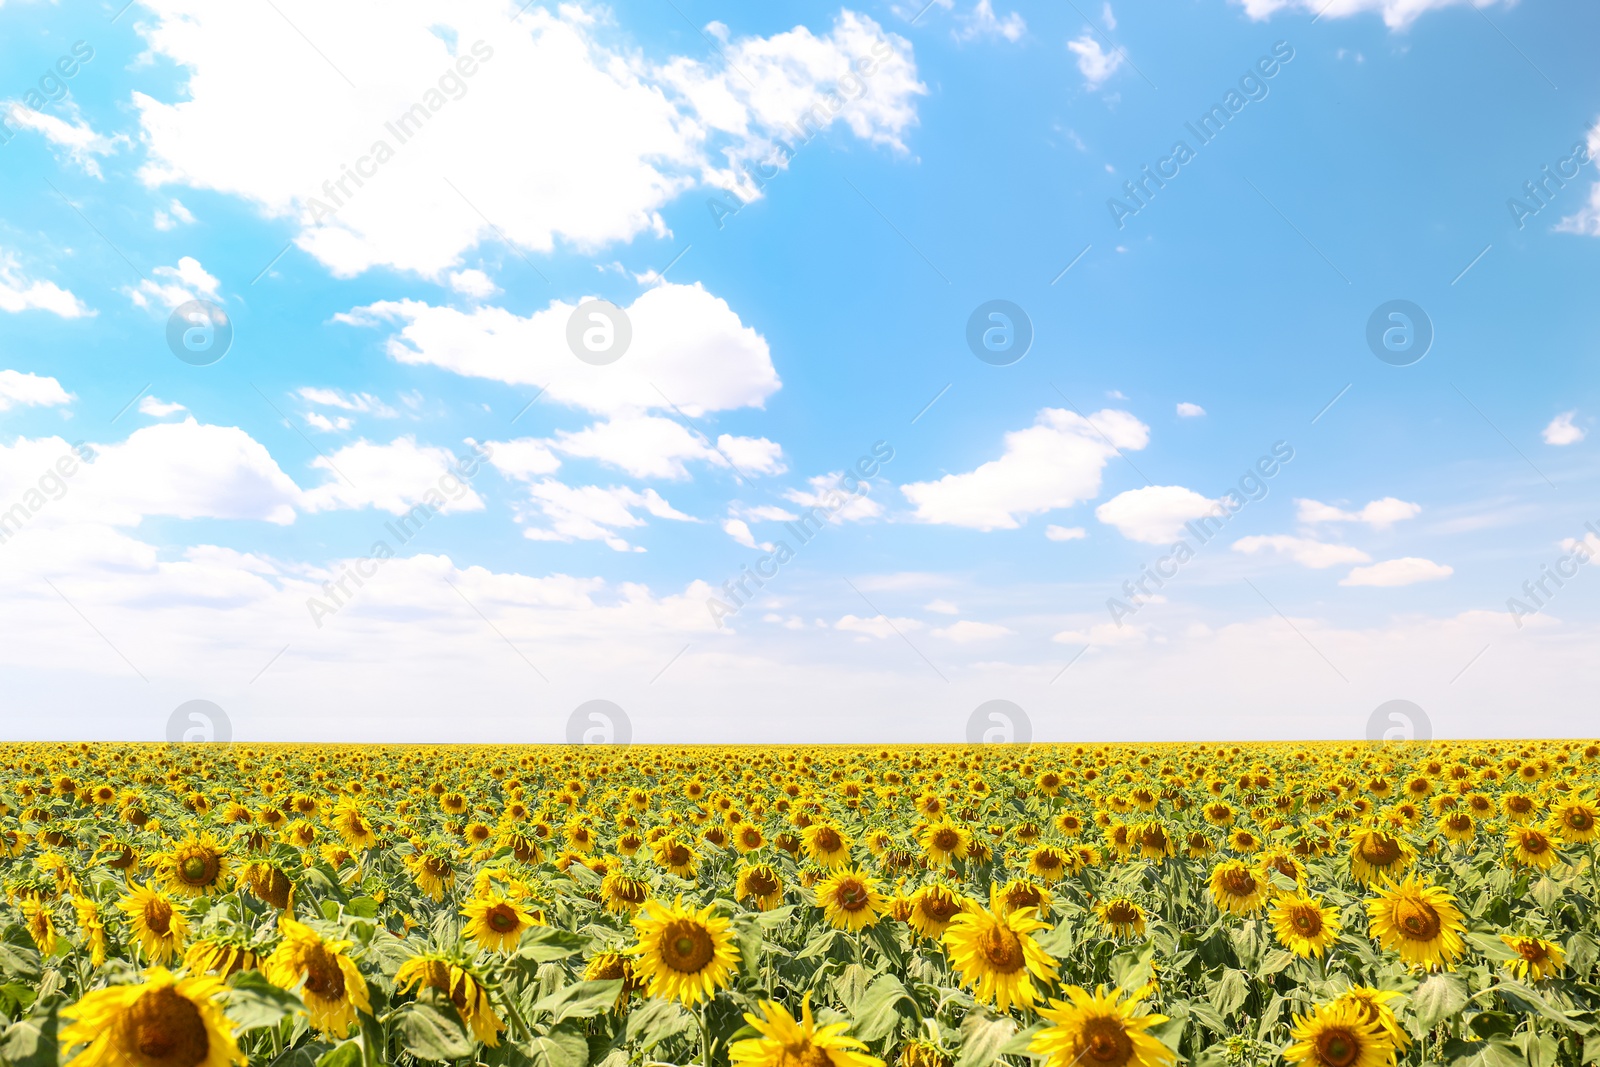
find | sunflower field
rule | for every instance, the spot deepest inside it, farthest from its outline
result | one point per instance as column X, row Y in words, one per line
column 1331, row 904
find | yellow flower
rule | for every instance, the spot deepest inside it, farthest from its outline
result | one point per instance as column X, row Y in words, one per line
column 156, row 921
column 1374, row 1006
column 1123, row 917
column 40, row 925
column 945, row 841
column 1419, row 921
column 684, row 955
column 850, row 900
column 1303, row 925
column 497, row 922
column 759, row 885
column 789, row 1042
column 461, row 986
column 826, row 844
column 1375, row 854
column 609, row 966
column 933, row 908
column 161, row 1021
column 1339, row 1034
column 1537, row 958
column 1049, row 863
column 197, row 865
column 1099, row 1029
column 622, row 893
column 997, row 957
column 1237, row 889
column 219, row 957
column 334, row 990
column 1576, row 821
column 1531, row 848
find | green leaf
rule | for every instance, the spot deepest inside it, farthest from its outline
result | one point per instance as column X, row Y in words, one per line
column 1437, row 999
column 563, row 1046
column 776, row 919
column 254, row 1002
column 1275, row 961
column 983, row 1038
column 30, row 1043
column 1231, row 992
column 880, row 1010
column 433, row 1034
column 655, row 1022
column 1492, row 947
column 362, row 908
column 1492, row 1053
column 818, row 945
column 345, row 1055
column 19, row 961
column 1524, row 999
column 543, row 944
column 582, row 1000
column 748, row 935
column 304, row 1056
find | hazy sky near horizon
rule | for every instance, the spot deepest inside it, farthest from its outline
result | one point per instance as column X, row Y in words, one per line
column 798, row 372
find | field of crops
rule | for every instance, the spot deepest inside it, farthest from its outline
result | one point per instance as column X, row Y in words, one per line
column 1336, row 905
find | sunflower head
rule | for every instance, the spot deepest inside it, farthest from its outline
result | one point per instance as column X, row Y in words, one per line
column 1419, row 921
column 1339, row 1034
column 162, row 1021
column 1100, row 1029
column 683, row 954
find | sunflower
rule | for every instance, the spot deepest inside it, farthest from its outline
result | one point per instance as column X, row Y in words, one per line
column 1531, row 848
column 1339, row 1034
column 220, row 957
column 760, row 885
column 677, row 857
column 1419, row 921
column 826, row 844
column 269, row 884
column 1153, row 841
column 920, row 1053
column 997, row 957
column 196, row 866
column 1303, row 925
column 162, row 1021
column 1099, row 1029
column 1374, row 1007
column 850, row 900
column 945, row 841
column 1121, row 916
column 156, row 920
column 1237, row 889
column 461, row 986
column 932, row 908
column 610, row 966
column 1519, row 807
column 1049, row 863
column 1020, row 893
column 1242, row 840
column 1537, row 958
column 351, row 825
column 684, row 955
column 497, row 922
column 789, row 1042
column 1576, row 821
column 333, row 990
column 622, row 893
column 1459, row 827
column 747, row 837
column 1375, row 854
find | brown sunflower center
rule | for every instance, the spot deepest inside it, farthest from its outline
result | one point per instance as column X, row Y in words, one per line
column 1023, row 896
column 939, row 908
column 1380, row 850
column 166, row 1029
column 827, row 840
column 1122, row 911
column 1307, row 920
column 502, row 920
column 199, row 868
column 946, row 840
column 1106, row 1042
column 686, row 946
column 1002, row 948
column 1532, row 951
column 1238, row 882
column 1047, row 861
column 323, row 976
column 1417, row 920
column 1534, row 843
column 1520, row 805
column 760, row 883
column 809, row 1055
column 851, row 895
column 158, row 916
column 1579, row 820
column 1337, row 1048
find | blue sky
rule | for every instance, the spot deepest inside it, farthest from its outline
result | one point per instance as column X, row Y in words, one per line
column 960, row 153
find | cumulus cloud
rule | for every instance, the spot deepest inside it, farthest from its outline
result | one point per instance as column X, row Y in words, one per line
column 981, row 21
column 876, row 626
column 1408, row 570
column 966, row 631
column 941, row 607
column 1094, row 63
column 18, row 292
column 395, row 477
column 591, row 513
column 150, row 405
column 1154, row 515
column 669, row 125
column 524, row 459
column 1187, row 410
column 1561, row 430
column 828, row 491
column 1055, row 463
column 1105, row 634
column 174, row 286
column 650, row 446
column 1379, row 514
column 1306, row 551
column 72, row 135
column 1397, row 14
column 1065, row 533
column 473, row 283
column 172, row 216
column 688, row 351
column 30, row 390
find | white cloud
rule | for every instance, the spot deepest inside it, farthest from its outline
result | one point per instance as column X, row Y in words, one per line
column 688, row 350
column 752, row 455
column 30, row 390
column 1407, row 570
column 967, row 631
column 473, row 283
column 150, row 405
column 1379, row 514
column 668, row 126
column 590, row 513
column 1397, row 14
column 982, row 22
column 524, row 458
column 364, row 403
column 185, row 282
column 72, row 134
column 829, row 493
column 1561, row 431
column 1187, row 410
column 1306, row 551
column 395, row 477
column 337, row 424
column 172, row 216
column 21, row 293
column 941, row 607
column 1107, row 634
column 739, row 530
column 1094, row 62
column 1052, row 464
column 1154, row 515
column 876, row 625
column 1109, row 16
column 650, row 446
column 1065, row 533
